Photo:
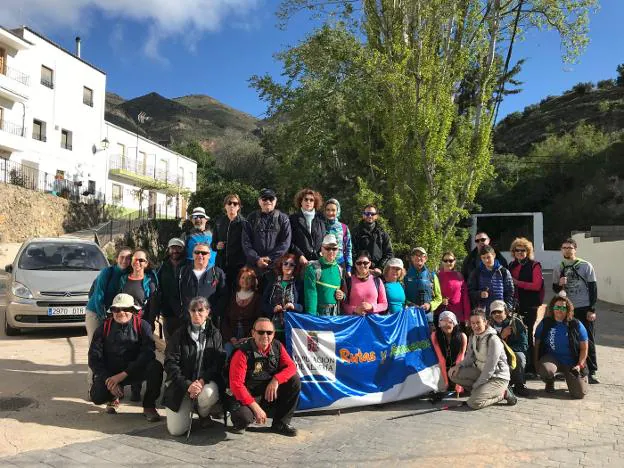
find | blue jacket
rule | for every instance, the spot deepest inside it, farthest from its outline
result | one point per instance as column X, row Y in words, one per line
column 498, row 283
column 195, row 237
column 106, row 288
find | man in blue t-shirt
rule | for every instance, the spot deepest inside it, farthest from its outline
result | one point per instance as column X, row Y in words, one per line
column 199, row 234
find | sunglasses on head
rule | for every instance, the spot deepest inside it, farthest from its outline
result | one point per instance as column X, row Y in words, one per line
column 448, row 260
column 369, row 214
column 201, row 252
column 483, row 239
column 264, row 332
column 362, row 263
column 233, row 203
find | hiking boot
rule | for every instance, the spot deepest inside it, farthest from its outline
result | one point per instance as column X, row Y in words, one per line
column 521, row 390
column 111, row 406
column 151, row 414
column 284, row 429
column 550, row 387
column 135, row 393
column 238, row 429
column 592, row 379
column 510, row 398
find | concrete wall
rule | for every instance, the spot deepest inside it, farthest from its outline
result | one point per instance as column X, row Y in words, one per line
column 607, row 259
column 25, row 213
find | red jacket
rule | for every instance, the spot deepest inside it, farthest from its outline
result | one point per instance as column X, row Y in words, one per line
column 238, row 372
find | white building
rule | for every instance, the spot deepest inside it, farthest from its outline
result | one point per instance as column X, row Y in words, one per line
column 53, row 135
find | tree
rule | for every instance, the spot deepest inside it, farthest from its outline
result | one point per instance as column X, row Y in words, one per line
column 206, row 167
column 620, row 78
column 376, row 96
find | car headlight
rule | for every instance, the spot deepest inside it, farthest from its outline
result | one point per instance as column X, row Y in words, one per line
column 19, row 290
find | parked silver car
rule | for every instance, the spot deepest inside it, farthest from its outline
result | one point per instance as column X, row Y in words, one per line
column 50, row 282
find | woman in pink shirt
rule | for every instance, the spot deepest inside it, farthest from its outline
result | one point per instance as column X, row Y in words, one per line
column 365, row 292
column 454, row 290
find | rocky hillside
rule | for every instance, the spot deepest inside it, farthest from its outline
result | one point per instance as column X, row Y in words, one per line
column 183, row 119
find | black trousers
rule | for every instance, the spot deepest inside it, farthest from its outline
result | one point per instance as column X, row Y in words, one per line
column 281, row 410
column 530, row 317
column 581, row 315
column 152, row 374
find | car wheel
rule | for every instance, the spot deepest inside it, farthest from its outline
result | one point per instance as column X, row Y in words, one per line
column 8, row 329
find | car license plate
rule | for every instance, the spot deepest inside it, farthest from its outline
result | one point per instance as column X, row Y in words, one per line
column 66, row 310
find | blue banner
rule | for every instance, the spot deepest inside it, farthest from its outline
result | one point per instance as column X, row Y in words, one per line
column 348, row 360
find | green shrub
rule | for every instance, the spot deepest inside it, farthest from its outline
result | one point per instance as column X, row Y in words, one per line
column 583, row 87
column 606, row 84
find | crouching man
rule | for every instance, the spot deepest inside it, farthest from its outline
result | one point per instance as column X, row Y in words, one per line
column 122, row 353
column 263, row 378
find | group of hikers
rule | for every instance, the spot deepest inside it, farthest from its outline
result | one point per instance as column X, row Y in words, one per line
column 222, row 293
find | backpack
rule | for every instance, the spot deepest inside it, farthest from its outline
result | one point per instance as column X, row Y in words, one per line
column 136, row 324
column 565, row 267
column 109, row 276
column 511, row 356
column 318, row 270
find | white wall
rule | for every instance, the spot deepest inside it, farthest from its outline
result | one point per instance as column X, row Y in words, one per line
column 62, row 108
column 607, row 259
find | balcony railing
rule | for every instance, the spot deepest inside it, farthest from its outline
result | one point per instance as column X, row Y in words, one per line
column 47, row 83
column 66, row 146
column 17, row 75
column 125, row 165
column 12, row 128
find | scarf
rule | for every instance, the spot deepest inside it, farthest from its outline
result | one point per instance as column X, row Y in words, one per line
column 309, row 216
column 242, row 296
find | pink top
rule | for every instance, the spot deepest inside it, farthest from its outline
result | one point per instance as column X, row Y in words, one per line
column 455, row 289
column 366, row 291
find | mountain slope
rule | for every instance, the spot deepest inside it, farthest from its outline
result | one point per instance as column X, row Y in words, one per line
column 183, row 119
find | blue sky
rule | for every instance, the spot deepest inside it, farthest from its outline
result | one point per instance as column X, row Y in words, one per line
column 213, row 46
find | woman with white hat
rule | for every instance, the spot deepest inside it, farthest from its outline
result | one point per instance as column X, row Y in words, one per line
column 449, row 344
column 393, row 274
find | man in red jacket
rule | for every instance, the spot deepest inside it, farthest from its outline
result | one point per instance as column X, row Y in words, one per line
column 263, row 377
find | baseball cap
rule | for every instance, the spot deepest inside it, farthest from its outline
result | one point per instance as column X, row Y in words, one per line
column 267, row 193
column 395, row 262
column 330, row 239
column 124, row 301
column 175, row 241
column 200, row 212
column 419, row 250
column 497, row 305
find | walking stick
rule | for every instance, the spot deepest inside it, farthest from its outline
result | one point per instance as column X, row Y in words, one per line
column 433, row 410
column 194, row 406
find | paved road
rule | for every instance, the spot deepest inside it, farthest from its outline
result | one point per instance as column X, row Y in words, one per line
column 62, row 429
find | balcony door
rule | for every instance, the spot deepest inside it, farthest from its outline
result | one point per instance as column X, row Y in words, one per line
column 2, row 60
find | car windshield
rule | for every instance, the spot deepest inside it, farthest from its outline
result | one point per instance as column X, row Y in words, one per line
column 62, row 257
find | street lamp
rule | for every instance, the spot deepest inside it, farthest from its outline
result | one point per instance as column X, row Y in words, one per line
column 104, row 144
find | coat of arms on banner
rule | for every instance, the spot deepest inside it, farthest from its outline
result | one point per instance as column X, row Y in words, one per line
column 314, row 353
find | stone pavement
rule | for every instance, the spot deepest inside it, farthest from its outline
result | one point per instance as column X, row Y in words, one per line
column 545, row 430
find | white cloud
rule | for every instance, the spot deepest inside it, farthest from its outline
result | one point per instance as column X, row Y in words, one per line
column 164, row 18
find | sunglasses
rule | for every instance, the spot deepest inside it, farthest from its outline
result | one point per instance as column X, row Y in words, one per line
column 140, row 260
column 233, row 203
column 520, row 250
column 289, row 264
column 201, row 252
column 483, row 239
column 497, row 312
column 331, row 249
column 362, row 263
column 264, row 332
column 269, row 199
column 309, row 200
column 448, row 260
column 198, row 217
column 116, row 310
column 560, row 308
column 368, row 214
column 198, row 311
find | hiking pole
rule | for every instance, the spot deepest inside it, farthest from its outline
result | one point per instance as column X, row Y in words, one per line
column 194, row 404
column 433, row 410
